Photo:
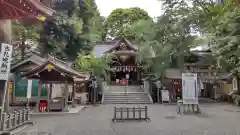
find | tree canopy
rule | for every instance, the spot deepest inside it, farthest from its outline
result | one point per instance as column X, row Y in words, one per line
column 73, row 29
column 121, row 20
column 167, row 40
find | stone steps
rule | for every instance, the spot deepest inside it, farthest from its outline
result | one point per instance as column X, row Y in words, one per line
column 126, row 95
column 129, row 98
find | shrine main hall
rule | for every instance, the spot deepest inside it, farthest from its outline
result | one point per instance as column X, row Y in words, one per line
column 124, row 61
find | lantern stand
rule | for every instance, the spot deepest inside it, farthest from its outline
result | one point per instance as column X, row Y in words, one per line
column 158, row 84
column 93, row 87
column 127, row 78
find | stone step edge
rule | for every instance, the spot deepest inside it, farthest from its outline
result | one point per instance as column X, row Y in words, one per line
column 125, row 92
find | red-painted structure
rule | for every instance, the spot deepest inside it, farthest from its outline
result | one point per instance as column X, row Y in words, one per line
column 23, row 9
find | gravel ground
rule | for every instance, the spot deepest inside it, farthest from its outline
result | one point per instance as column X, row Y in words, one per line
column 217, row 119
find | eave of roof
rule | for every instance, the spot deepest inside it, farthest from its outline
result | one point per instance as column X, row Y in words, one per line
column 32, row 58
column 15, row 9
column 59, row 66
column 125, row 53
column 118, row 44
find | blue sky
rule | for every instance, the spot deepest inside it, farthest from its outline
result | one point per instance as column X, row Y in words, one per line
column 153, row 7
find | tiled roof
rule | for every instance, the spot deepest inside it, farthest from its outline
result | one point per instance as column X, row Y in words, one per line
column 99, row 50
column 101, row 47
column 31, row 57
column 60, row 65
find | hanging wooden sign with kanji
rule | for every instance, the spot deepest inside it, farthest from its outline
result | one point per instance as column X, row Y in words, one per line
column 5, row 60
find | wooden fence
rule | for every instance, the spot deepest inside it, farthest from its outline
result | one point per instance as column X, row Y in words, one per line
column 15, row 119
column 130, row 113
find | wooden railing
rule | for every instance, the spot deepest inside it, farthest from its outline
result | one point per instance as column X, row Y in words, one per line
column 15, row 119
column 130, row 113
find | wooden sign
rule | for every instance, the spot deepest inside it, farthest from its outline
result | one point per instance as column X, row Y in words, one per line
column 189, row 88
column 5, row 60
column 165, row 96
column 234, row 84
column 29, row 89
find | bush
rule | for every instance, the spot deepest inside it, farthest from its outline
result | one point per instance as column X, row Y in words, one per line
column 236, row 99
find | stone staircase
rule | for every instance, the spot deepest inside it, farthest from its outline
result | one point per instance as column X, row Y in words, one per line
column 129, row 95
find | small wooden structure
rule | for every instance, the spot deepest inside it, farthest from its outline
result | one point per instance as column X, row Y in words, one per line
column 130, row 113
column 54, row 71
column 14, row 120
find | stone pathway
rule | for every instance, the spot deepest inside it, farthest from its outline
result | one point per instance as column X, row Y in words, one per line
column 217, row 119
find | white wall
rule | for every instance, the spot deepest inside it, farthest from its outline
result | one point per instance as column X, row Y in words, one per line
column 58, row 90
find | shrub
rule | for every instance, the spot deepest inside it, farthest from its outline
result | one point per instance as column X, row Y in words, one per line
column 236, row 99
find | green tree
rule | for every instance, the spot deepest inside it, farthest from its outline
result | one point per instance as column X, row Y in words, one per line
column 97, row 66
column 219, row 22
column 168, row 40
column 92, row 21
column 226, row 39
column 121, row 20
column 31, row 31
column 61, row 36
column 73, row 29
column 154, row 53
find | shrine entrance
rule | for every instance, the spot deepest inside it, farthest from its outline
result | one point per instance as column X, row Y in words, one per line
column 124, row 66
column 132, row 72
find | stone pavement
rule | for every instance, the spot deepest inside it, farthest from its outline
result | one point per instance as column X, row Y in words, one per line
column 217, row 119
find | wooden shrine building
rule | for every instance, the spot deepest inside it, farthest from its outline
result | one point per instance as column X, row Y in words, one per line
column 124, row 60
column 53, row 71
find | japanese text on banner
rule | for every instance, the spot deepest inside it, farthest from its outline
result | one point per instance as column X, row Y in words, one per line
column 5, row 60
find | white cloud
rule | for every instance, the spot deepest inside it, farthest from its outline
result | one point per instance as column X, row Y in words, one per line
column 153, row 7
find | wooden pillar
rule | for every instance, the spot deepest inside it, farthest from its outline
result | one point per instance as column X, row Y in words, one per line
column 138, row 75
column 73, row 95
column 39, row 95
column 5, row 31
column 6, row 106
column 49, row 95
column 5, row 37
column 2, row 84
column 48, row 90
column 66, row 91
column 108, row 77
